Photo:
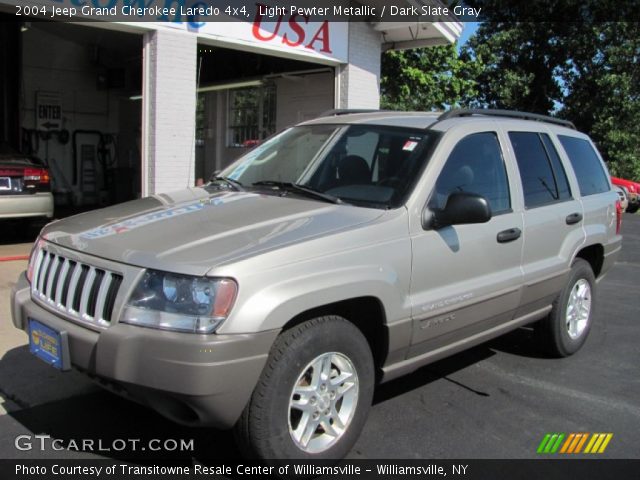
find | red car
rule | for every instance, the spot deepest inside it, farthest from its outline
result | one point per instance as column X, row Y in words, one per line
column 633, row 192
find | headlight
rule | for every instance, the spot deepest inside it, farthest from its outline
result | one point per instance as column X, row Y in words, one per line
column 181, row 303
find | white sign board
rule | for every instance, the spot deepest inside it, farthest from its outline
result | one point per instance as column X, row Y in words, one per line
column 48, row 111
column 255, row 25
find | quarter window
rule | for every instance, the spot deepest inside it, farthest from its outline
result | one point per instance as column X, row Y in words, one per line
column 591, row 176
column 543, row 178
column 475, row 165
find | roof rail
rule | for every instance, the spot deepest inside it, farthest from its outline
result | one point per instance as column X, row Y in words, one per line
column 459, row 112
column 346, row 111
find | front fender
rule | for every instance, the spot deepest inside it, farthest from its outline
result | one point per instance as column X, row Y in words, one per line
column 276, row 287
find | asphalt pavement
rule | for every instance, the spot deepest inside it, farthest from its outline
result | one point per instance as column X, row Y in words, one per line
column 497, row 400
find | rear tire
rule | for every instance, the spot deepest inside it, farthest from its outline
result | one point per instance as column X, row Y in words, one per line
column 633, row 208
column 565, row 330
column 313, row 396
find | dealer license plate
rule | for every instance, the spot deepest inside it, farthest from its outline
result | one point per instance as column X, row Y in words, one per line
column 49, row 345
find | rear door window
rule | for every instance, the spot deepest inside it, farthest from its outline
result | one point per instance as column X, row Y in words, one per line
column 591, row 176
column 543, row 178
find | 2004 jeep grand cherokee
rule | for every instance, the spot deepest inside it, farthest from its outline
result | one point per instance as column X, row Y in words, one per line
column 342, row 252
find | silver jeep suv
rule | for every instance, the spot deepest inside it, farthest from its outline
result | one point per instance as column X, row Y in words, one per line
column 341, row 253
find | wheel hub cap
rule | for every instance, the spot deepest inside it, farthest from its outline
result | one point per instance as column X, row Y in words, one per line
column 323, row 402
column 578, row 308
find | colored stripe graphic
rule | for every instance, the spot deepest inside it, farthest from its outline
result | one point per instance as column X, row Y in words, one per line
column 581, row 443
column 550, row 443
column 598, row 443
column 565, row 447
column 574, row 443
column 543, row 443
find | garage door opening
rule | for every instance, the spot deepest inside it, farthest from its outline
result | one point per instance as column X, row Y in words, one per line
column 75, row 111
column 245, row 97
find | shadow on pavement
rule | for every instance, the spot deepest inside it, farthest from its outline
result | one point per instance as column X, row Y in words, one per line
column 70, row 408
column 521, row 342
column 74, row 409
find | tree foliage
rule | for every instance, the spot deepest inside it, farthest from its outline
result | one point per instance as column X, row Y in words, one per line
column 584, row 71
column 426, row 79
column 587, row 72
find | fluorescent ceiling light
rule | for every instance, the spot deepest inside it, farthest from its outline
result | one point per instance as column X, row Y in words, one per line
column 228, row 86
column 222, row 86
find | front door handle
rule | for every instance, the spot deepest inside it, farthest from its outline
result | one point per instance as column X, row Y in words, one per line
column 573, row 218
column 509, row 235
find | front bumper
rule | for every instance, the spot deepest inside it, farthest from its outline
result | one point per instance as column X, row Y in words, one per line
column 22, row 206
column 196, row 380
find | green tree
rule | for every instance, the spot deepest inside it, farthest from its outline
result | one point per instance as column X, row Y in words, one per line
column 426, row 79
column 587, row 72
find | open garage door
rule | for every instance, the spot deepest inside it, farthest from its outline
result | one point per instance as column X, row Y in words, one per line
column 76, row 113
column 252, row 97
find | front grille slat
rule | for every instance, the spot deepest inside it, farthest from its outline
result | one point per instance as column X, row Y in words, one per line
column 43, row 272
column 102, row 296
column 80, row 286
column 87, row 285
column 110, row 301
column 73, row 287
column 64, row 299
column 37, row 267
column 61, row 281
column 81, row 291
column 54, row 271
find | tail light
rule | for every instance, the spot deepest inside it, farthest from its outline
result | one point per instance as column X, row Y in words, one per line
column 37, row 175
column 618, row 216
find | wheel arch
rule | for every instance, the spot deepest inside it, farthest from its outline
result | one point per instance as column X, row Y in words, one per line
column 594, row 255
column 367, row 313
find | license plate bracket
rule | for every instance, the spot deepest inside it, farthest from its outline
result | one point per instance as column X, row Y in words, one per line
column 49, row 345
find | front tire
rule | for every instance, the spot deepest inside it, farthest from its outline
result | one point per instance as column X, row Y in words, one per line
column 566, row 328
column 314, row 393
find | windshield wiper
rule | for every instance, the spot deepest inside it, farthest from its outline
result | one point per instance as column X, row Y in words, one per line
column 236, row 185
column 300, row 189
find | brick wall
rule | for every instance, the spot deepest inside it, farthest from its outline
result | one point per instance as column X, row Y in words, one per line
column 360, row 79
column 169, row 110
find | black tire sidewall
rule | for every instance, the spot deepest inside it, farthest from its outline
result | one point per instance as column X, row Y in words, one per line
column 332, row 334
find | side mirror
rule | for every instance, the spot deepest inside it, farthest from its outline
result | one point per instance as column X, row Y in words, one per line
column 461, row 208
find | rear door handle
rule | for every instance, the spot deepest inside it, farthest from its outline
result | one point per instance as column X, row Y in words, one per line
column 573, row 218
column 509, row 235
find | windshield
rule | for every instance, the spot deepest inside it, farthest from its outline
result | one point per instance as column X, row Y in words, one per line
column 366, row 165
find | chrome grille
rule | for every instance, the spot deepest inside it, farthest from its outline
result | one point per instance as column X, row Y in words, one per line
column 82, row 291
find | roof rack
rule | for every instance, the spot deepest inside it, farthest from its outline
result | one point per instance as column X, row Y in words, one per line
column 459, row 112
column 346, row 111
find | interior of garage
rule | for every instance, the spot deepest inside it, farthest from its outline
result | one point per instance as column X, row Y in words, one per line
column 251, row 97
column 66, row 92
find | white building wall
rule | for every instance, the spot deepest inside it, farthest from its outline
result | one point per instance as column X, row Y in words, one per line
column 169, row 109
column 359, row 80
column 303, row 97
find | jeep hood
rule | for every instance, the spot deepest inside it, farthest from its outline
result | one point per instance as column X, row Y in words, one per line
column 193, row 230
